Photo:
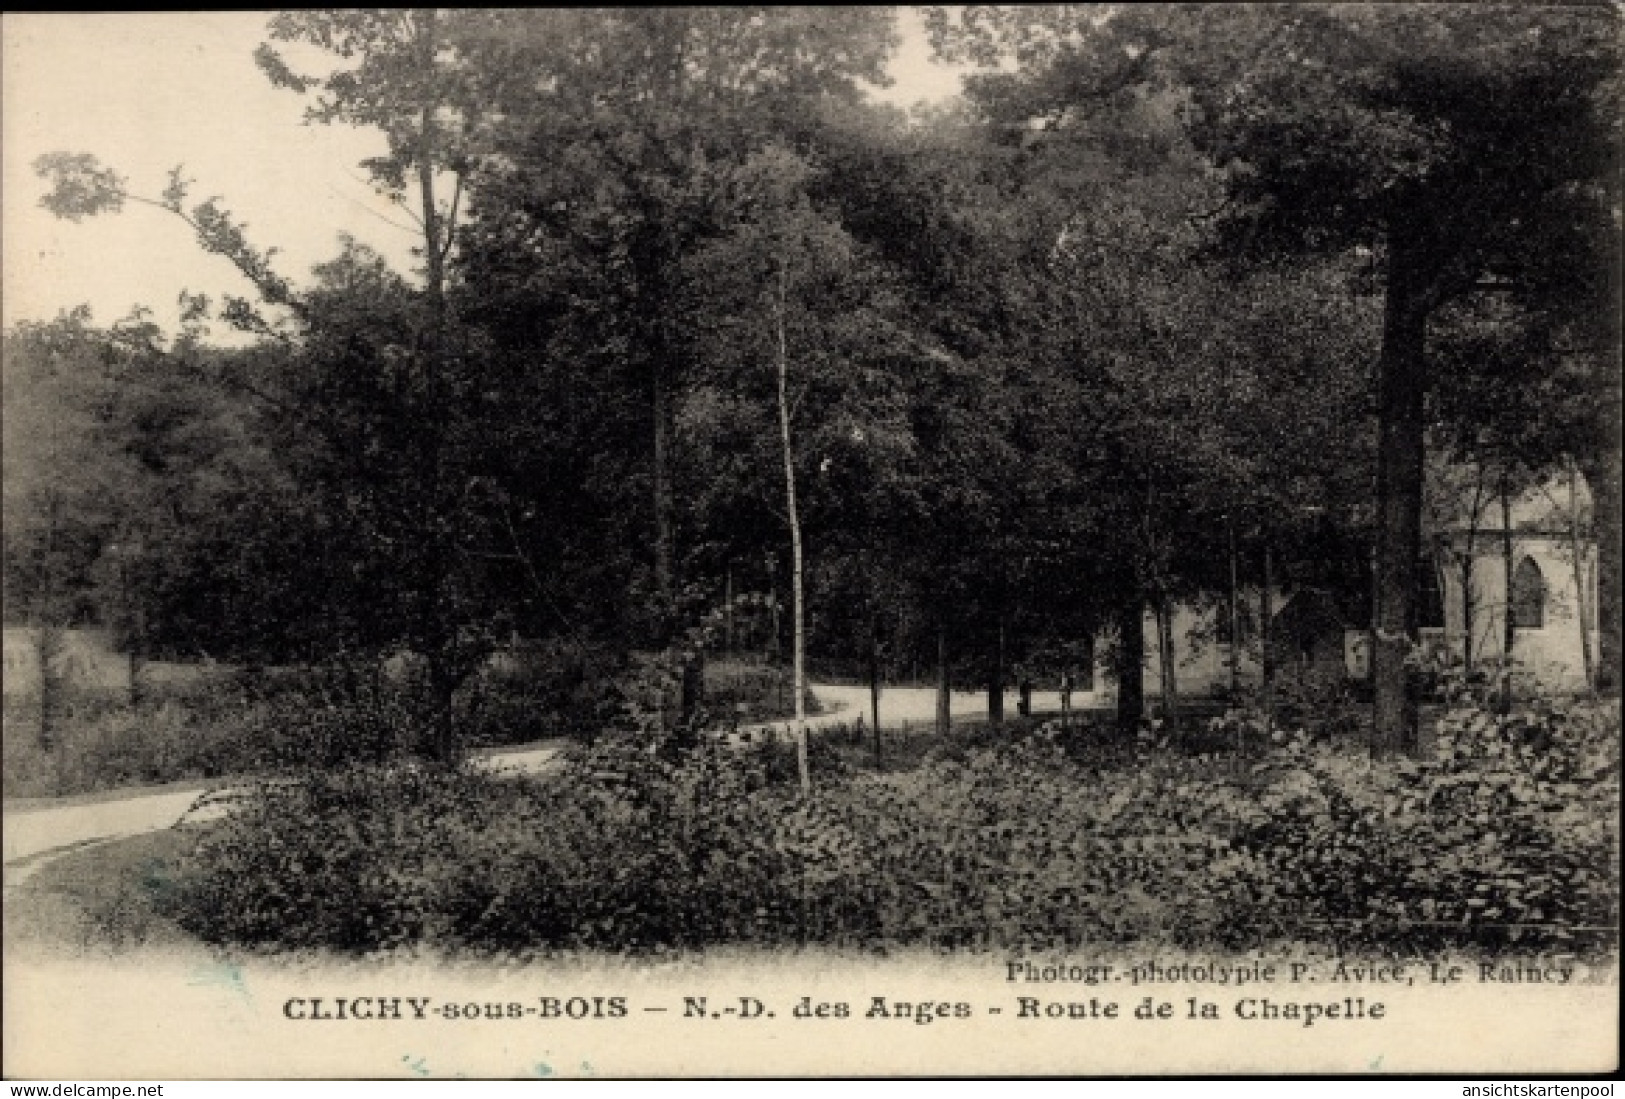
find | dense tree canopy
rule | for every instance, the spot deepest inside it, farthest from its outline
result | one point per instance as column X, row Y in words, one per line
column 1461, row 151
column 1145, row 315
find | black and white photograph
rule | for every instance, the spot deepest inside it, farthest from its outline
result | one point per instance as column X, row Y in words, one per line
column 710, row 542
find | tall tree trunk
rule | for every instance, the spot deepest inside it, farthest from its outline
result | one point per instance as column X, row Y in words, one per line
column 995, row 681
column 47, row 638
column 1509, row 627
column 874, row 677
column 671, row 70
column 443, row 693
column 1603, row 477
column 1235, row 613
column 1130, row 668
column 1402, row 387
column 728, row 608
column 1165, row 658
column 133, row 670
column 436, row 631
column 48, row 645
column 1467, row 607
column 1582, row 600
column 1468, row 601
column 1266, row 632
column 692, row 686
column 944, row 701
column 664, row 505
column 798, row 678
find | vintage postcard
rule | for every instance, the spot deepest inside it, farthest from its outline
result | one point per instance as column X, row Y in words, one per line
column 1059, row 540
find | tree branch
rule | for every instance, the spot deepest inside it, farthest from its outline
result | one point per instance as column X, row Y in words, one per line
column 251, row 265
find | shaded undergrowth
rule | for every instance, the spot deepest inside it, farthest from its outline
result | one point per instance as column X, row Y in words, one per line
column 1502, row 840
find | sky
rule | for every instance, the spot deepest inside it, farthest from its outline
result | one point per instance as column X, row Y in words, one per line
column 148, row 91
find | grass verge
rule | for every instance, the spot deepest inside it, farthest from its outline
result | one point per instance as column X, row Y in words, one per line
column 113, row 896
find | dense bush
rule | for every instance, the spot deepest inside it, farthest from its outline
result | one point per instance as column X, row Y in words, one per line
column 746, row 690
column 1502, row 840
column 1504, row 834
column 223, row 725
column 102, row 741
column 623, row 848
column 244, row 722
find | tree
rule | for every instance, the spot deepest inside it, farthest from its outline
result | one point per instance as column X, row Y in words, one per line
column 602, row 171
column 1468, row 147
column 1466, row 150
column 1458, row 499
column 1176, row 401
column 1531, row 390
column 410, row 80
column 407, row 78
column 786, row 286
column 982, row 529
column 58, row 488
column 442, row 461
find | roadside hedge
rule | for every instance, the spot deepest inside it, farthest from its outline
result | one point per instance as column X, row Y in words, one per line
column 1503, row 840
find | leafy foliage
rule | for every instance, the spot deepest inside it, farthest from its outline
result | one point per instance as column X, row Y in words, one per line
column 215, row 724
column 1032, row 392
column 192, row 722
column 1504, row 840
column 82, row 187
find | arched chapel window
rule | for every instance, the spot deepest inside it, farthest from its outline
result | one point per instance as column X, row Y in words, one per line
column 1528, row 596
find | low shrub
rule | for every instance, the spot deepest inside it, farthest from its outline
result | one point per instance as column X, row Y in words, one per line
column 226, row 725
column 1504, row 839
column 101, row 741
column 251, row 721
column 352, row 859
column 746, row 691
column 624, row 848
column 1504, row 835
